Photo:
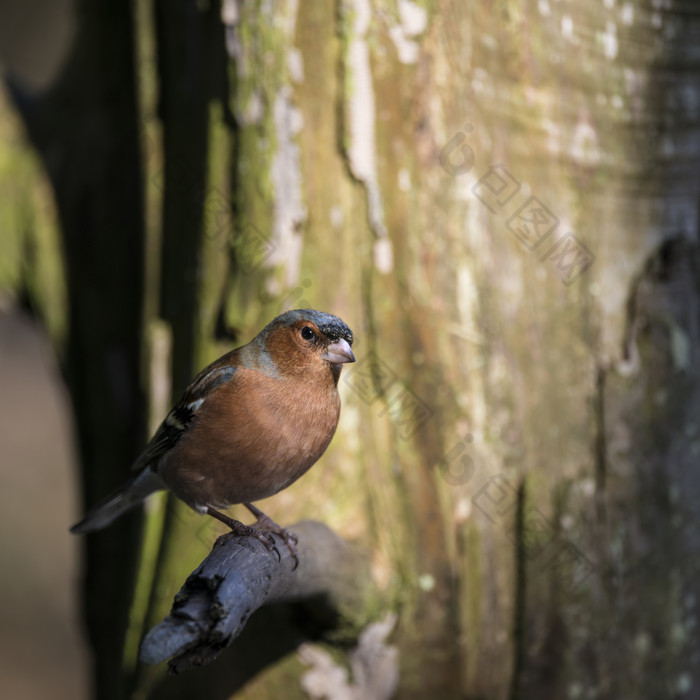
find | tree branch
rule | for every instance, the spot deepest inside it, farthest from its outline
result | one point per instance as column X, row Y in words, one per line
column 239, row 576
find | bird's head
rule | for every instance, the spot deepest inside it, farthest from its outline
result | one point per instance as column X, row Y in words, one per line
column 305, row 340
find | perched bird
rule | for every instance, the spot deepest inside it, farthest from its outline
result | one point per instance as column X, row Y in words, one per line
column 248, row 426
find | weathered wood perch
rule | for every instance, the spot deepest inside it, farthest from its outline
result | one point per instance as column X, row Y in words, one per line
column 239, row 576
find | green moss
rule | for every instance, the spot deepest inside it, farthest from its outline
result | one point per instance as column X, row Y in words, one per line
column 31, row 260
column 472, row 596
column 150, row 545
column 281, row 680
column 14, row 163
column 260, row 76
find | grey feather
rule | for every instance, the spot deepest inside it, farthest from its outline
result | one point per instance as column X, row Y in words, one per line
column 118, row 503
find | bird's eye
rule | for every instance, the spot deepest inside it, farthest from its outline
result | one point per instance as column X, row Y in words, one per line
column 307, row 333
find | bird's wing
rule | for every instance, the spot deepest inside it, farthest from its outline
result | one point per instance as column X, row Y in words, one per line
column 179, row 420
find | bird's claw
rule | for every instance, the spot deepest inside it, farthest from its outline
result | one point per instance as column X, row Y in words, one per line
column 289, row 538
column 265, row 522
column 238, row 529
column 265, row 538
column 268, row 541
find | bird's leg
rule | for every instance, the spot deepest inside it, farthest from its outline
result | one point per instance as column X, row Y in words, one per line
column 267, row 523
column 239, row 529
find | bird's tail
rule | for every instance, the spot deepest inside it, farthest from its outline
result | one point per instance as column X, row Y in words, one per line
column 119, row 502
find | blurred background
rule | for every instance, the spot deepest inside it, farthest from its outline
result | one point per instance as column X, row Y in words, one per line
column 43, row 652
column 500, row 198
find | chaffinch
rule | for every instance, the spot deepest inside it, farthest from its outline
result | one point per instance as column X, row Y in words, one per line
column 248, row 426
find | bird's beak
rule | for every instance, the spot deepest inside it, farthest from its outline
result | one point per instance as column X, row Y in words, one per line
column 339, row 352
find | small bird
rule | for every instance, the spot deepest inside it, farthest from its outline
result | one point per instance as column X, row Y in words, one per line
column 248, row 426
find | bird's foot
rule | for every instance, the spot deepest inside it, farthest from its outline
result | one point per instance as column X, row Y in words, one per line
column 238, row 529
column 265, row 522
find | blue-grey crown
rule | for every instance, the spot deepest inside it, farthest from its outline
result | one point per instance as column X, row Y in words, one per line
column 331, row 326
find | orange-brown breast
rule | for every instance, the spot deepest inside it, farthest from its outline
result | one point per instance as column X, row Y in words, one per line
column 251, row 438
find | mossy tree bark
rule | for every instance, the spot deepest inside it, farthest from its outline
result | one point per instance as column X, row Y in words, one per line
column 501, row 200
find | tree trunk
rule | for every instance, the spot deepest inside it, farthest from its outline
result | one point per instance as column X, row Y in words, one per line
column 501, row 200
